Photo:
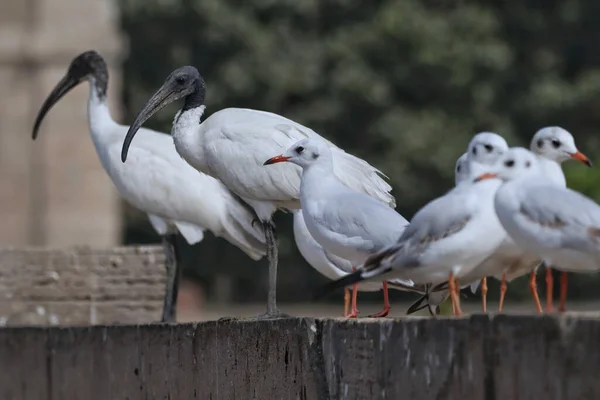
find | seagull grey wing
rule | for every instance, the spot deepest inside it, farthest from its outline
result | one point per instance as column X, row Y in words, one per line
column 563, row 210
column 339, row 262
column 553, row 206
column 439, row 219
column 367, row 223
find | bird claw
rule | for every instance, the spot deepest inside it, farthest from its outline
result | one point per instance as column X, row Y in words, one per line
column 353, row 314
column 380, row 314
column 268, row 316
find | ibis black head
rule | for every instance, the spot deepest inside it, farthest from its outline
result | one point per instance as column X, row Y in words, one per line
column 88, row 65
column 183, row 83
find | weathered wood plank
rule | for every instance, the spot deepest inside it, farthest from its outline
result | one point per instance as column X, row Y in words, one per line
column 477, row 357
column 23, row 364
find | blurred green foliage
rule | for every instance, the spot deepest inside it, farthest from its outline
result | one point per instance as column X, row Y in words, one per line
column 401, row 83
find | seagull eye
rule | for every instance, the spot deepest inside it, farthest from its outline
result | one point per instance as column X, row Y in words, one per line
column 509, row 163
column 528, row 164
column 474, row 150
column 180, row 79
column 540, row 143
column 299, row 149
column 458, row 168
column 555, row 143
column 488, row 147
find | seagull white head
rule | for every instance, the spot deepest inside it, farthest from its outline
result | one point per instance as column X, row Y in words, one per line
column 486, row 147
column 556, row 144
column 461, row 169
column 304, row 153
column 517, row 162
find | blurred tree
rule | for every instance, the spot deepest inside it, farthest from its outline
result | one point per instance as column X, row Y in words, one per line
column 401, row 83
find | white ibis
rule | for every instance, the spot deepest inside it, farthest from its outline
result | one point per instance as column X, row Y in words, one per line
column 232, row 144
column 554, row 145
column 156, row 180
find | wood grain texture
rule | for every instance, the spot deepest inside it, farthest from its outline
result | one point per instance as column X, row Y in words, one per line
column 476, row 357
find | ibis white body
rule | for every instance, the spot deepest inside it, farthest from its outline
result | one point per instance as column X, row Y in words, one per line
column 232, row 145
column 158, row 181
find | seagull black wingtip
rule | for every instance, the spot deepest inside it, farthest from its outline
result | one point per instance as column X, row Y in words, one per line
column 418, row 305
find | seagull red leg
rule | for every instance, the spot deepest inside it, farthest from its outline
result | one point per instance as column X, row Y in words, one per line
column 386, row 303
column 563, row 291
column 454, row 295
column 484, row 290
column 346, row 301
column 549, row 289
column 503, row 288
column 353, row 310
column 534, row 292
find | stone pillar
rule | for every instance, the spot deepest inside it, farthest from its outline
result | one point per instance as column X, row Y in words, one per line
column 54, row 190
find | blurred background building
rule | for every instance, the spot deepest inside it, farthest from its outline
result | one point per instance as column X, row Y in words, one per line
column 401, row 83
column 54, row 191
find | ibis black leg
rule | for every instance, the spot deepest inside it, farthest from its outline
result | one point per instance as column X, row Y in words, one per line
column 272, row 256
column 172, row 264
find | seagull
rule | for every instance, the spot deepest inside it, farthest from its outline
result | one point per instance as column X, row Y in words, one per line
column 508, row 261
column 445, row 240
column 347, row 223
column 554, row 145
column 231, row 146
column 176, row 197
column 483, row 150
column 334, row 267
column 434, row 297
column 562, row 226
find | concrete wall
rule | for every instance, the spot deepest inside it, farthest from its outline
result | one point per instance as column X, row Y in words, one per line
column 481, row 357
column 81, row 286
column 54, row 191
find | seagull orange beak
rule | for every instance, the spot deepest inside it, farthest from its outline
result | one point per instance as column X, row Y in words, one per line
column 276, row 159
column 485, row 176
column 579, row 156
